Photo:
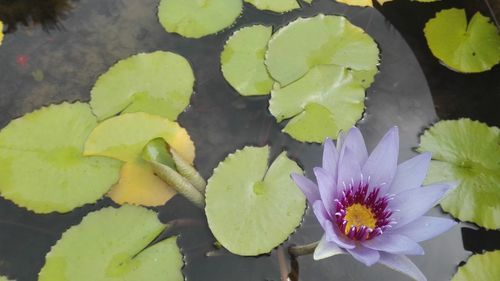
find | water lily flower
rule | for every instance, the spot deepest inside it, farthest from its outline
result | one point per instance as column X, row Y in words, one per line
column 371, row 207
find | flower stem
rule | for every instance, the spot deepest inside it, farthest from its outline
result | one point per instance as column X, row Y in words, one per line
column 301, row 250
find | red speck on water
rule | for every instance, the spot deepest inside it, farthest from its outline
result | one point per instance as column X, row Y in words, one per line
column 22, row 60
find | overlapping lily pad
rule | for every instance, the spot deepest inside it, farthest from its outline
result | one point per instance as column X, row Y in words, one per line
column 322, row 103
column 482, row 267
column 195, row 18
column 308, row 42
column 159, row 83
column 112, row 244
column 252, row 208
column 462, row 46
column 467, row 152
column 279, row 6
column 242, row 61
column 42, row 167
column 123, row 138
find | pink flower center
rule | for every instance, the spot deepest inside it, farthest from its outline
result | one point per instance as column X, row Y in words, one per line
column 362, row 215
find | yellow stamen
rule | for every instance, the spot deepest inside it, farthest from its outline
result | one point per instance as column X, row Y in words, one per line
column 358, row 215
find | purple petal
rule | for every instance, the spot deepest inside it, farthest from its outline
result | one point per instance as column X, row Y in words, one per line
column 383, row 161
column 309, row 188
column 355, row 142
column 410, row 174
column 349, row 169
column 326, row 249
column 425, row 228
column 395, row 244
column 367, row 256
column 411, row 204
column 334, row 235
column 330, row 158
column 327, row 189
column 402, row 264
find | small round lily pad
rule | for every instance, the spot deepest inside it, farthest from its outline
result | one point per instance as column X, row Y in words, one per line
column 279, row 6
column 124, row 138
column 464, row 47
column 112, row 244
column 159, row 83
column 42, row 167
column 467, row 152
column 322, row 103
column 242, row 61
column 252, row 210
column 198, row 18
column 482, row 267
column 308, row 42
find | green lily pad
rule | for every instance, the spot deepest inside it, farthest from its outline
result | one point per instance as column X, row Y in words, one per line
column 112, row 244
column 198, row 18
column 3, row 278
column 159, row 83
column 242, row 61
column 308, row 1
column 307, row 42
column 42, row 167
column 279, row 6
column 482, row 267
column 472, row 47
column 467, row 152
column 359, row 3
column 251, row 211
column 322, row 103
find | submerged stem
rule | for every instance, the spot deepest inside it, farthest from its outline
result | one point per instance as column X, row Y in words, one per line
column 301, row 250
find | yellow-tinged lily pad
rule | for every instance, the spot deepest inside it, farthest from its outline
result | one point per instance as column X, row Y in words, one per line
column 464, row 47
column 123, row 138
column 112, row 244
column 322, row 103
column 42, row 167
column 308, row 42
column 1, row 32
column 467, row 152
column 159, row 83
column 482, row 267
column 198, row 18
column 242, row 61
column 251, row 211
column 279, row 6
column 360, row 3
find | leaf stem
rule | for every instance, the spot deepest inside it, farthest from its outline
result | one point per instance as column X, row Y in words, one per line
column 301, row 250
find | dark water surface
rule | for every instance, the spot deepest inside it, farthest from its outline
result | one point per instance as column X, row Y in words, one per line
column 60, row 61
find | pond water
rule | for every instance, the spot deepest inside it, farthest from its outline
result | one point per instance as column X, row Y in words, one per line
column 60, row 58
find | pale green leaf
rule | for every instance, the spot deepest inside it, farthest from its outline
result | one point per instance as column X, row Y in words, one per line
column 323, row 102
column 252, row 208
column 472, row 47
column 42, row 167
column 198, row 18
column 480, row 267
column 242, row 61
column 467, row 152
column 159, row 83
column 124, row 137
column 112, row 244
column 308, row 42
column 279, row 6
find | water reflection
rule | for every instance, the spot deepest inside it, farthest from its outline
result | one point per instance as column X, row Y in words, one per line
column 47, row 13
